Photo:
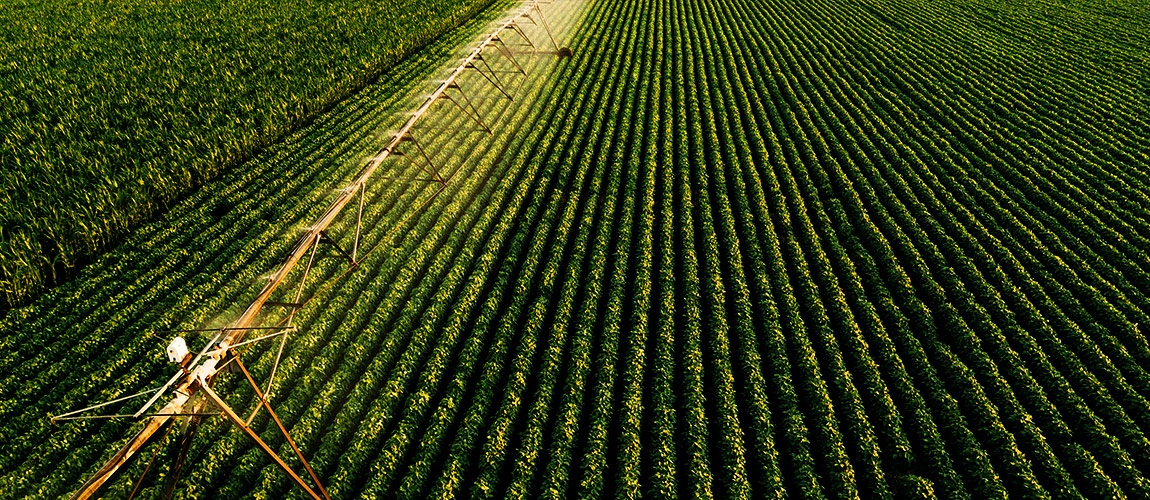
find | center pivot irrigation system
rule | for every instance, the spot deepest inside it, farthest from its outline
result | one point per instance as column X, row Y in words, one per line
column 191, row 398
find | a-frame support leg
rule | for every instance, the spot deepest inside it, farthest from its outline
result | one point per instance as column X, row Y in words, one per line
column 231, row 415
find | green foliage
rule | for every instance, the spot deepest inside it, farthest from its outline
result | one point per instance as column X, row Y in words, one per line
column 112, row 111
column 740, row 249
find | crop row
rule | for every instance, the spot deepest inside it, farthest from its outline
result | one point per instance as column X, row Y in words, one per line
column 744, row 249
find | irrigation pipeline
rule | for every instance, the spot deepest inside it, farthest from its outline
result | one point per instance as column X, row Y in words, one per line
column 190, row 388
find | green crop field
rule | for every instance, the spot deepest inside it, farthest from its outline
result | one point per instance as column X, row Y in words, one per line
column 112, row 111
column 731, row 249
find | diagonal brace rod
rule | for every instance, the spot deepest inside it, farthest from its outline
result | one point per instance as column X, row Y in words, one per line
column 331, row 241
column 231, row 415
column 264, row 401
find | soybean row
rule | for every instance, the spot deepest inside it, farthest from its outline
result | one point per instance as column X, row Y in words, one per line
column 742, row 249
